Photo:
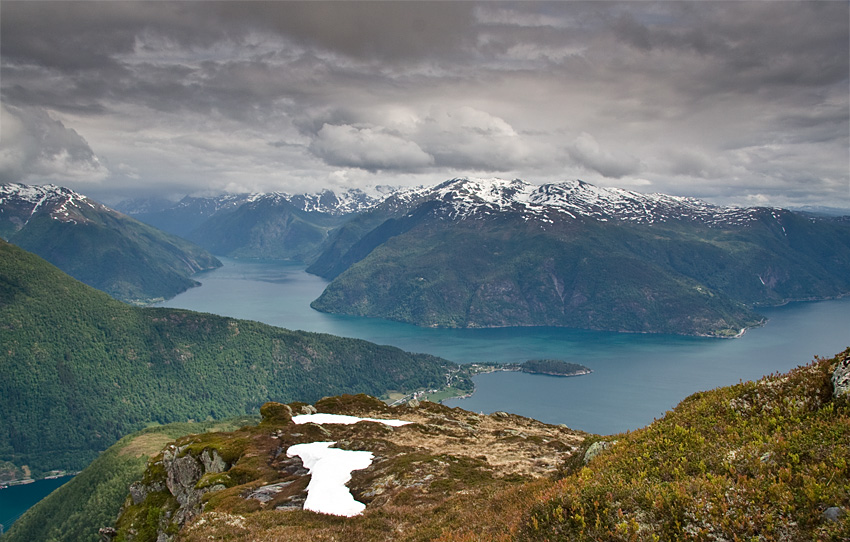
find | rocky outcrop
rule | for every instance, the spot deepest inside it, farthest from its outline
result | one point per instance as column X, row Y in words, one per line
column 206, row 485
column 841, row 377
column 597, row 448
column 174, row 487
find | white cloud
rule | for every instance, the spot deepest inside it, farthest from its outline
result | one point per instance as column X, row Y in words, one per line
column 367, row 148
column 587, row 152
column 35, row 147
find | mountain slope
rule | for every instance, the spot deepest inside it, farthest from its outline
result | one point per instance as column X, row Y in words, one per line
column 489, row 253
column 93, row 498
column 763, row 460
column 186, row 215
column 268, row 227
column 272, row 226
column 81, row 369
column 114, row 253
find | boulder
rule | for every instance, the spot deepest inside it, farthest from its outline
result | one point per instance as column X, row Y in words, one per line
column 841, row 378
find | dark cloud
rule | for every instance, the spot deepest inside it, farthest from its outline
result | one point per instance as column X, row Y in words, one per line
column 723, row 99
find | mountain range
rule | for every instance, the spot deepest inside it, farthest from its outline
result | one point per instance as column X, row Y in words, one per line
column 494, row 253
column 112, row 252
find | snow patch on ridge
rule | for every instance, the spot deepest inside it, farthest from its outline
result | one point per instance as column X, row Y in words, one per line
column 58, row 201
column 330, row 469
column 342, row 419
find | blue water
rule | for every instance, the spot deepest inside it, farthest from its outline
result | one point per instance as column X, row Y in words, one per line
column 15, row 500
column 636, row 377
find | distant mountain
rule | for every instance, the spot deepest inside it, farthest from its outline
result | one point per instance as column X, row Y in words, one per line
column 127, row 259
column 184, row 216
column 493, row 253
column 273, row 226
column 80, row 369
column 269, row 226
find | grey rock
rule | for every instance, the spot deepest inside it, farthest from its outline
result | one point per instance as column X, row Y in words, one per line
column 212, row 461
column 500, row 414
column 183, row 473
column 267, row 493
column 841, row 378
column 833, row 513
column 308, row 409
column 413, row 403
column 107, row 534
column 597, row 448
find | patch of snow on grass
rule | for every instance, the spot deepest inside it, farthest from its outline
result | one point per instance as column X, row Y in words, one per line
column 331, row 470
column 342, row 419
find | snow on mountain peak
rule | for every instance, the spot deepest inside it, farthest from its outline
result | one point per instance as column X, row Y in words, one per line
column 25, row 201
column 467, row 197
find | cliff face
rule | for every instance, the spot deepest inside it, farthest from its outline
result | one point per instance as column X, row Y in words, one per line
column 422, row 475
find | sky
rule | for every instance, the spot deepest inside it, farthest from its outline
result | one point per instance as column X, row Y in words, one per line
column 742, row 103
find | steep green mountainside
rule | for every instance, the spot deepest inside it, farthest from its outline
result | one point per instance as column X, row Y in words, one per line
column 270, row 227
column 438, row 263
column 764, row 460
column 105, row 249
column 93, row 498
column 81, row 369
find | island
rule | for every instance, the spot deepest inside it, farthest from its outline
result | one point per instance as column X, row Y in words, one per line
column 459, row 382
column 553, row 367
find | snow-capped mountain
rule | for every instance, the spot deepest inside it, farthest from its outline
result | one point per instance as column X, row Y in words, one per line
column 98, row 245
column 474, row 197
column 494, row 253
column 19, row 203
column 351, row 201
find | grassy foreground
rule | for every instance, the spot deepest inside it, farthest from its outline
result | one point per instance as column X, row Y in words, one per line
column 765, row 460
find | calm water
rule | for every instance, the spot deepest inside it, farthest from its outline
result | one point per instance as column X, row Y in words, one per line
column 15, row 500
column 636, row 377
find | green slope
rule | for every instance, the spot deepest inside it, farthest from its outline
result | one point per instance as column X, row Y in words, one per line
column 269, row 228
column 757, row 461
column 505, row 271
column 81, row 369
column 112, row 252
column 92, row 499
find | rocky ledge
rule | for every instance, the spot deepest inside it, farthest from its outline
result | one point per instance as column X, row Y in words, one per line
column 243, row 485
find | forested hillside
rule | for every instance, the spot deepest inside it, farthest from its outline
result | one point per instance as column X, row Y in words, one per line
column 80, row 369
column 112, row 252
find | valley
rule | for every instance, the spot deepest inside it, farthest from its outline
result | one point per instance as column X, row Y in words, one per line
column 507, row 364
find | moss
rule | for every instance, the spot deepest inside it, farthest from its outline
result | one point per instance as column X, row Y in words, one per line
column 351, row 404
column 142, row 521
column 228, row 446
column 276, row 413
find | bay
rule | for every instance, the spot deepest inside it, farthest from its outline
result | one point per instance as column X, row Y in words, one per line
column 15, row 500
column 636, row 378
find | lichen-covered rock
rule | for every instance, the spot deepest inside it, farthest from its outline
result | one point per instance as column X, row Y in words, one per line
column 841, row 378
column 597, row 448
column 170, row 495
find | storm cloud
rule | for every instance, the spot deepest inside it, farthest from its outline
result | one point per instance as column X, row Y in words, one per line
column 735, row 102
